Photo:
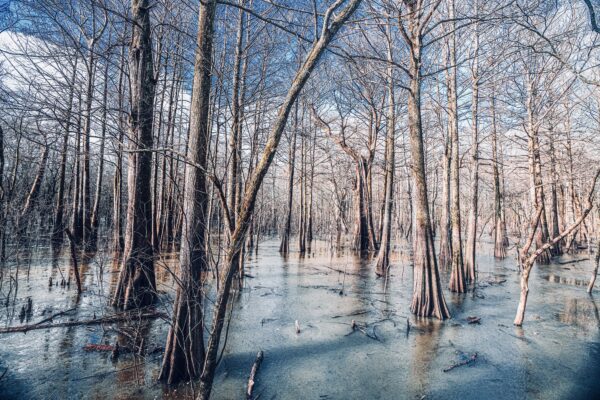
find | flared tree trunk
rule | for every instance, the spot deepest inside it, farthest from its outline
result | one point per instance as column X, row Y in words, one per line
column 136, row 286
column 428, row 298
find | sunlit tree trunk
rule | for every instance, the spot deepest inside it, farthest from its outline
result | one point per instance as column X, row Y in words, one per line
column 428, row 298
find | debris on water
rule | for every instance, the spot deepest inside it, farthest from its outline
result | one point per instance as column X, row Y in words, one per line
column 98, row 347
column 465, row 361
column 473, row 320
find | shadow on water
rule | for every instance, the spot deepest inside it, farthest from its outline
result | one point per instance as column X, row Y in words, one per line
column 388, row 354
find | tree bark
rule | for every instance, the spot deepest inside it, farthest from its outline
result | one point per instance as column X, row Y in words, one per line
column 59, row 226
column 457, row 274
column 471, row 245
column 284, row 247
column 382, row 263
column 500, row 228
column 95, row 218
column 428, row 298
column 136, row 285
column 184, row 352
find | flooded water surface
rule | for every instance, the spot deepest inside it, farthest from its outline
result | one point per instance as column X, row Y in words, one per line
column 357, row 338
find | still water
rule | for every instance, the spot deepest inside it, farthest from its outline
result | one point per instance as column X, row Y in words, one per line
column 392, row 355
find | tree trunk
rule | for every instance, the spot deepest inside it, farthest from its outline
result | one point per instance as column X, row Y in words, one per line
column 95, row 218
column 457, row 274
column 284, row 247
column 557, row 249
column 428, row 298
column 184, row 351
column 445, row 256
column 529, row 260
column 471, row 245
column 255, row 181
column 117, row 224
column 136, row 285
column 32, row 196
column 500, row 229
column 382, row 263
column 59, row 226
column 595, row 271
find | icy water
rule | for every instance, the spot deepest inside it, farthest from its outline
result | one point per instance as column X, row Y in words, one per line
column 392, row 355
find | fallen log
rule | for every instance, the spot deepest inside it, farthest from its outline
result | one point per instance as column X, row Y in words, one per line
column 253, row 372
column 58, row 314
column 471, row 359
column 573, row 261
column 121, row 317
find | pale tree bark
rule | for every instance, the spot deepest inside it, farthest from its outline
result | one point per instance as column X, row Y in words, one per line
column 136, row 286
column 428, row 298
column 471, row 245
column 528, row 260
column 445, row 255
column 457, row 274
column 383, row 258
column 557, row 249
column 331, row 24
column 535, row 171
